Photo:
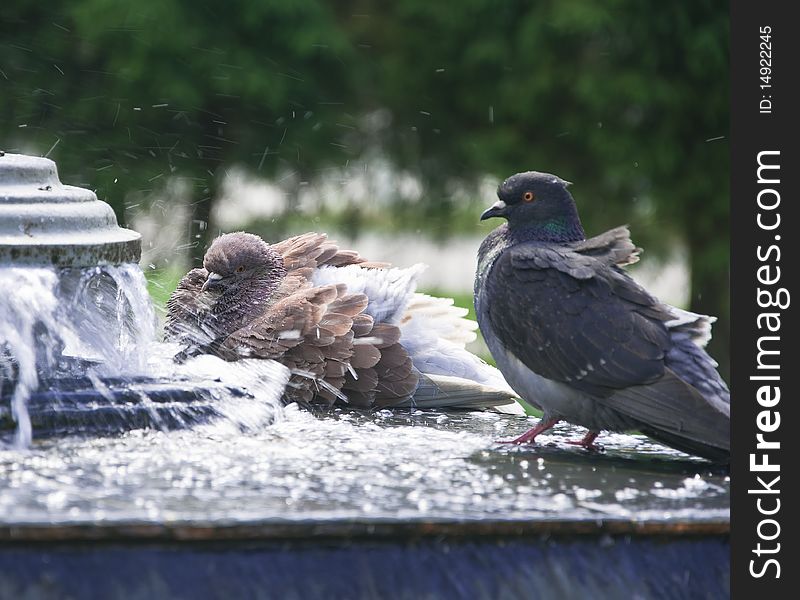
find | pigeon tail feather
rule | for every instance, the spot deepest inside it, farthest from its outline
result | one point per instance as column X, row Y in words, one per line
column 670, row 409
column 442, row 391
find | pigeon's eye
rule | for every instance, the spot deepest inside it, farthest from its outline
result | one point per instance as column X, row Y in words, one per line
column 528, row 196
column 240, row 268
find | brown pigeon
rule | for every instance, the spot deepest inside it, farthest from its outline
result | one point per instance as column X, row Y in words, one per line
column 350, row 330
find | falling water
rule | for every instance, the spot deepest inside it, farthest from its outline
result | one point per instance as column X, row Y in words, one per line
column 57, row 323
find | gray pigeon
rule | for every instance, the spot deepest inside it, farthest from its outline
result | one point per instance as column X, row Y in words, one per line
column 578, row 338
column 350, row 331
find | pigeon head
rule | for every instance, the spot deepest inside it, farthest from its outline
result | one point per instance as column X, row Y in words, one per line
column 538, row 206
column 237, row 259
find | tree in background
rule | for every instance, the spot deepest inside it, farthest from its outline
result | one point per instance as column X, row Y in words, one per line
column 126, row 96
column 627, row 99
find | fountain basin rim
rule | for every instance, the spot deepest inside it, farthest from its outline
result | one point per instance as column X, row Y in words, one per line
column 350, row 529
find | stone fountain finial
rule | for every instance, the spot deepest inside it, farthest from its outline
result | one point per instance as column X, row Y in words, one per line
column 43, row 222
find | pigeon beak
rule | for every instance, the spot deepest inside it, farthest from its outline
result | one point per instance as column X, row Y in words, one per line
column 210, row 281
column 498, row 209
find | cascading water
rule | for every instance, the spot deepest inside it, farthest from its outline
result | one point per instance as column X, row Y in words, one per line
column 57, row 323
column 73, row 298
column 30, row 301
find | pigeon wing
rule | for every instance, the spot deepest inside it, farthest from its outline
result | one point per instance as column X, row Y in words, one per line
column 301, row 331
column 574, row 318
column 312, row 250
column 613, row 247
column 188, row 312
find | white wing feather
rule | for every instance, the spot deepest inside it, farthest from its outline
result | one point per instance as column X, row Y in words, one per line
column 445, row 320
column 389, row 290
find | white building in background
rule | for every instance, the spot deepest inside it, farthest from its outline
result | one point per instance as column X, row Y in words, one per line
column 451, row 263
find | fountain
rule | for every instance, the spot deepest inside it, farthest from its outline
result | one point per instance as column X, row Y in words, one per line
column 155, row 479
column 76, row 325
column 43, row 222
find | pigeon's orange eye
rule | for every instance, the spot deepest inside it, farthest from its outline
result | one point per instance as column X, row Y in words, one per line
column 528, row 196
column 240, row 268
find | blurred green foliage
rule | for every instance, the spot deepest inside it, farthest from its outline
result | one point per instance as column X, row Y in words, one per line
column 627, row 99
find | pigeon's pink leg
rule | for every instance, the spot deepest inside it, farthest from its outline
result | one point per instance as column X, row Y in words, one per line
column 529, row 435
column 587, row 441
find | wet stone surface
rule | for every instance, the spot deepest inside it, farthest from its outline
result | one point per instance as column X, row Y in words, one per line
column 408, row 465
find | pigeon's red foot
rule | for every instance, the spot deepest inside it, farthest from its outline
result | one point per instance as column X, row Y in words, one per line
column 588, row 441
column 530, row 435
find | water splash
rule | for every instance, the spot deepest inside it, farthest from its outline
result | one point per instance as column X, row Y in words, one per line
column 264, row 381
column 352, row 465
column 60, row 322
